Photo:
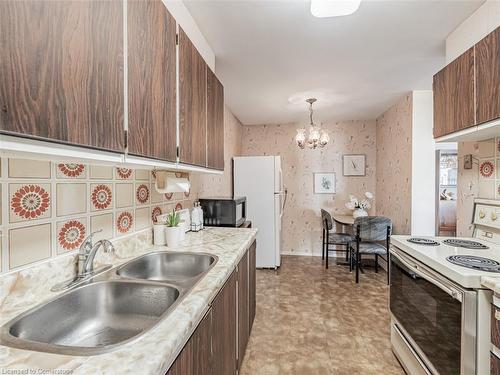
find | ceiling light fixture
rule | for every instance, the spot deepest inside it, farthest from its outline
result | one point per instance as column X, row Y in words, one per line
column 333, row 8
column 317, row 136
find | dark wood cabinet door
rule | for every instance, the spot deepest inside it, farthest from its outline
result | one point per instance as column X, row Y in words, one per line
column 62, row 71
column 196, row 356
column 193, row 103
column 487, row 53
column 224, row 328
column 252, row 283
column 243, row 308
column 454, row 95
column 151, row 80
column 494, row 364
column 215, row 122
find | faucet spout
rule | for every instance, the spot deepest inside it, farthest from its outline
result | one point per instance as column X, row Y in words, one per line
column 86, row 261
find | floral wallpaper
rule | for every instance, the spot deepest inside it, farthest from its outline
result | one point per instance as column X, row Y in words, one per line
column 394, row 142
column 301, row 226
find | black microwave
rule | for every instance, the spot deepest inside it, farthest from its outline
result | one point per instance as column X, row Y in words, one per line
column 223, row 212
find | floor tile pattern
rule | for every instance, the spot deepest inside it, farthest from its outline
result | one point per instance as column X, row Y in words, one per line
column 315, row 321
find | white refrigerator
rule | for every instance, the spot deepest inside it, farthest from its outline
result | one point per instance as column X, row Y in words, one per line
column 260, row 180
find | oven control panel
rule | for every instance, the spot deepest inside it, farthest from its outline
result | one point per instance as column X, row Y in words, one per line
column 487, row 215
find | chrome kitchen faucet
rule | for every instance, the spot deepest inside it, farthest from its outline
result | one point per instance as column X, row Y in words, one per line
column 86, row 256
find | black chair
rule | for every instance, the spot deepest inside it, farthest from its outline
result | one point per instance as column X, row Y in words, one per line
column 373, row 235
column 332, row 238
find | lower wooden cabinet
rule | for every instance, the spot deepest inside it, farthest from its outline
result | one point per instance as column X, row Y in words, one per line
column 224, row 326
column 243, row 308
column 494, row 364
column 196, row 356
column 218, row 344
column 252, row 287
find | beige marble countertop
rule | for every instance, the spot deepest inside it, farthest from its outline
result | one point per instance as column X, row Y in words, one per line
column 154, row 351
column 491, row 282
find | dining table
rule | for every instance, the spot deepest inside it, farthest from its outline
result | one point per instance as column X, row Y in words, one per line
column 342, row 219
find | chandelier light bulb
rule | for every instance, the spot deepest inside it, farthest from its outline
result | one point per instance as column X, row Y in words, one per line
column 316, row 137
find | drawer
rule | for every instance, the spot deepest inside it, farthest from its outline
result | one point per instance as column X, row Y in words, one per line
column 495, row 326
column 494, row 364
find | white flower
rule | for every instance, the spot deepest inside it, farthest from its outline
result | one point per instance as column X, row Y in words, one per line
column 369, row 195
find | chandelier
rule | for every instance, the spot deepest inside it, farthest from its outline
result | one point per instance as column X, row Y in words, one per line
column 317, row 136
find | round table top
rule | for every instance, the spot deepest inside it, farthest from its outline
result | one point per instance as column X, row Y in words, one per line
column 343, row 219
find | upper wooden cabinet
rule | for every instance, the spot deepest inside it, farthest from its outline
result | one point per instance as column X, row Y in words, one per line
column 62, row 71
column 454, row 95
column 193, row 103
column 488, row 77
column 215, row 122
column 467, row 91
column 151, row 80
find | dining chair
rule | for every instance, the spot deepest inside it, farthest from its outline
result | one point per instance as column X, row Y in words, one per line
column 330, row 237
column 373, row 235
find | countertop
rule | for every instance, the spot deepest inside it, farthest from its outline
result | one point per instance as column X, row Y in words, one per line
column 154, row 351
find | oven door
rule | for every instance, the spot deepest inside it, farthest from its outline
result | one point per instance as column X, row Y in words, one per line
column 438, row 316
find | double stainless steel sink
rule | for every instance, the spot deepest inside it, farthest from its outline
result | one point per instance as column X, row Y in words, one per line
column 111, row 308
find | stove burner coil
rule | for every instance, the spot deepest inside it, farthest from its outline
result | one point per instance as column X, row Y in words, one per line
column 423, row 241
column 478, row 263
column 467, row 244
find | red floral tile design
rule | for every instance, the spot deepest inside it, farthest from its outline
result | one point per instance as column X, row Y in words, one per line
column 155, row 213
column 142, row 193
column 124, row 173
column 101, row 197
column 178, row 207
column 169, row 196
column 486, row 169
column 124, row 222
column 71, row 169
column 71, row 235
column 30, row 201
column 186, row 193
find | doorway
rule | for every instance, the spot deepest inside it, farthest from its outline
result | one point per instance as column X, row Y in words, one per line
column 447, row 193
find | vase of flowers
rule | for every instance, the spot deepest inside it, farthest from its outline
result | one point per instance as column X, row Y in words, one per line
column 360, row 207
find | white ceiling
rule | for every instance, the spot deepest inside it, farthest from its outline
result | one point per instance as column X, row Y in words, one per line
column 357, row 65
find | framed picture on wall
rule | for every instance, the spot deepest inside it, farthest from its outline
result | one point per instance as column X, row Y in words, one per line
column 354, row 165
column 324, row 183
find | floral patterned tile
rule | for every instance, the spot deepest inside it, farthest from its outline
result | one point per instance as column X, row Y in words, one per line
column 155, row 212
column 101, row 197
column 124, row 222
column 124, row 173
column 487, row 168
column 142, row 193
column 29, row 201
column 71, row 234
column 71, row 170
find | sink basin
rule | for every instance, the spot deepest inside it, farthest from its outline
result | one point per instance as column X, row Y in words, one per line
column 91, row 319
column 168, row 266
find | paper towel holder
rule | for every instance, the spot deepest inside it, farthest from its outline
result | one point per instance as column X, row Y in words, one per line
column 171, row 182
